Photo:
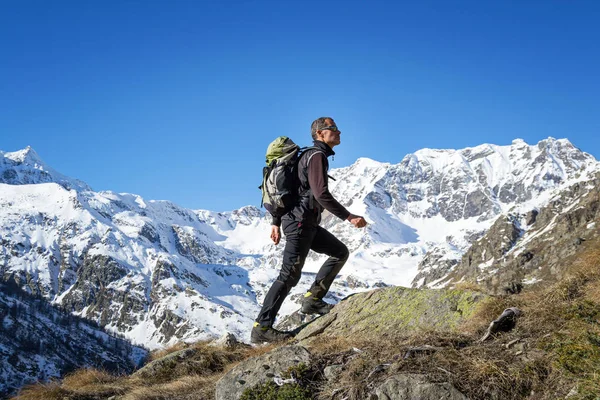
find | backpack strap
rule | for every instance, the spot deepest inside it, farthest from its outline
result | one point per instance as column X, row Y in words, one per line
column 319, row 151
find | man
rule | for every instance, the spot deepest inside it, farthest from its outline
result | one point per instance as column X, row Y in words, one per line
column 303, row 233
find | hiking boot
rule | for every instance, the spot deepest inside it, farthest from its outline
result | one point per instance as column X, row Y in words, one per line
column 262, row 334
column 313, row 305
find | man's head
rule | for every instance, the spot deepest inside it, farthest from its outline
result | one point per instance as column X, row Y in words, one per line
column 325, row 130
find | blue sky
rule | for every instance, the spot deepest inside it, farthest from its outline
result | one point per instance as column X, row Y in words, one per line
column 178, row 100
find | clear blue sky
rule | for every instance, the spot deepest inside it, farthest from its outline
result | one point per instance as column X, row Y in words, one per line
column 178, row 100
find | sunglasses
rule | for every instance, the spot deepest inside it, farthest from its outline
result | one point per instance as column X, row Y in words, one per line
column 331, row 128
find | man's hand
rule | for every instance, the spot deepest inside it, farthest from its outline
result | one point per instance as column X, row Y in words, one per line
column 275, row 234
column 357, row 221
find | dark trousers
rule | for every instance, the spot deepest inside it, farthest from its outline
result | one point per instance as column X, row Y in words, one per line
column 299, row 240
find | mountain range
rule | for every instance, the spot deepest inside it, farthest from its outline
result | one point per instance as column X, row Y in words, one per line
column 157, row 273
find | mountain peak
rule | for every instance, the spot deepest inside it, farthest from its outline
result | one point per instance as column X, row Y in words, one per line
column 24, row 167
column 368, row 162
column 25, row 156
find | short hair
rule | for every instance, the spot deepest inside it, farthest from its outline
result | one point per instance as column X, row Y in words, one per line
column 317, row 125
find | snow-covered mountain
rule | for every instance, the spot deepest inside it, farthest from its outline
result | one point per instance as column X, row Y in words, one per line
column 435, row 203
column 26, row 167
column 159, row 273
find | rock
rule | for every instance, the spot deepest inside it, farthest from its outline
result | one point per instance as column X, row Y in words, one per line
column 412, row 386
column 332, row 372
column 177, row 363
column 257, row 370
column 420, row 350
column 392, row 311
column 228, row 340
column 531, row 217
column 504, row 323
column 294, row 320
column 317, row 328
column 572, row 393
column 434, row 266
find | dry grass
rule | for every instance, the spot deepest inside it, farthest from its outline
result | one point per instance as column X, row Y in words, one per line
column 79, row 384
column 191, row 387
column 468, row 286
column 155, row 355
column 48, row 391
column 88, row 378
column 178, row 383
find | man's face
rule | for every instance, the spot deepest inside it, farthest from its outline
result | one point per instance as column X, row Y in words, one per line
column 330, row 136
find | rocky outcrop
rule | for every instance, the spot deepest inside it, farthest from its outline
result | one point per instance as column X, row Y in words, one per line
column 434, row 266
column 395, row 310
column 189, row 243
column 390, row 312
column 179, row 363
column 94, row 291
column 257, row 370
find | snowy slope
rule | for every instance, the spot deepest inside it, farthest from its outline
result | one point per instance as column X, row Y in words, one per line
column 148, row 270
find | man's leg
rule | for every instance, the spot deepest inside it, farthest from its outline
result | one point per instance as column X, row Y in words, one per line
column 297, row 246
column 325, row 243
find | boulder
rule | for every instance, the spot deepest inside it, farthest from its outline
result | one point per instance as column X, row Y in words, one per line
column 393, row 311
column 414, row 386
column 257, row 370
column 228, row 341
column 178, row 363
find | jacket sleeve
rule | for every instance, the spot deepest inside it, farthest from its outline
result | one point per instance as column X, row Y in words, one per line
column 276, row 221
column 318, row 182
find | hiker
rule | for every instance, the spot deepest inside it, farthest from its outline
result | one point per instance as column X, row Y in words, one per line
column 303, row 233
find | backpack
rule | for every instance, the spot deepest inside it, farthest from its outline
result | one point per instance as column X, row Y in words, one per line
column 280, row 178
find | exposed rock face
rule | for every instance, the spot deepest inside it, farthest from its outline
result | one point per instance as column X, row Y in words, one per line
column 94, row 291
column 507, row 257
column 414, row 386
column 434, row 266
column 196, row 246
column 257, row 370
column 389, row 311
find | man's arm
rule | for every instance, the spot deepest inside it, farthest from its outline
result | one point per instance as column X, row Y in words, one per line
column 317, row 180
column 275, row 220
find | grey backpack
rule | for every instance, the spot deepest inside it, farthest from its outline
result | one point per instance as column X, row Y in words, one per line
column 280, row 178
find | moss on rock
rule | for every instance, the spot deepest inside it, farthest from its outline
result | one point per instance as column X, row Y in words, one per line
column 396, row 310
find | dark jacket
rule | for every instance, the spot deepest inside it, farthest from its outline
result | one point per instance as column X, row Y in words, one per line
column 313, row 191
